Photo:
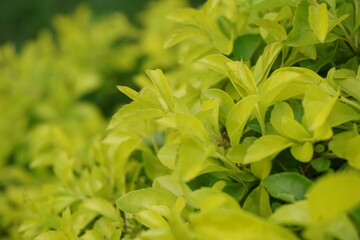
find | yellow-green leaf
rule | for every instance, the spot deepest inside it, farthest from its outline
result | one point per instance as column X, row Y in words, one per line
column 318, row 20
column 233, row 224
column 317, row 106
column 238, row 116
column 275, row 29
column 302, row 152
column 266, row 146
column 162, row 87
column 334, row 194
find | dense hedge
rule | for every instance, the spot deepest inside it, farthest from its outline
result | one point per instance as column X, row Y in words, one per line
column 251, row 133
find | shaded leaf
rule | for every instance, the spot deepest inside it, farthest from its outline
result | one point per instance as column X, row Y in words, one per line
column 287, row 186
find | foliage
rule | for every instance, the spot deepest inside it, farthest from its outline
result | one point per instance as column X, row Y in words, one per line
column 254, row 135
column 55, row 95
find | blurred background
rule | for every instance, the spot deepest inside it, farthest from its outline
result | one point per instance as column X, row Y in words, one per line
column 21, row 20
column 60, row 63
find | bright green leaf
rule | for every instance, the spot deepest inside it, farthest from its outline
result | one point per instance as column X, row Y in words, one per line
column 266, row 146
column 318, row 20
column 292, row 214
column 157, row 200
column 238, row 116
column 190, row 159
column 302, row 152
column 225, row 102
column 242, row 78
column 162, row 87
column 275, row 29
column 317, row 106
column 333, row 194
column 232, row 225
column 103, row 207
column 216, row 62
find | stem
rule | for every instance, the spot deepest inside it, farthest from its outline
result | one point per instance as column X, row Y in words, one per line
column 226, row 160
column 348, row 39
column 283, row 167
column 154, row 143
column 351, row 103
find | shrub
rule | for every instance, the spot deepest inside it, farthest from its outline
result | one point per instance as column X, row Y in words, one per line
column 253, row 136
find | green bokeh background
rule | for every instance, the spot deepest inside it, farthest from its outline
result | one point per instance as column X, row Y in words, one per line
column 21, row 20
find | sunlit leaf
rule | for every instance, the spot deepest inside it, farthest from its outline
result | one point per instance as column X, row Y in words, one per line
column 273, row 28
column 238, row 116
column 230, row 224
column 302, row 152
column 318, row 20
column 266, row 146
column 333, row 194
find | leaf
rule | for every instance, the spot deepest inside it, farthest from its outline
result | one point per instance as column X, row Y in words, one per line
column 256, row 5
column 282, row 119
column 266, row 146
column 348, row 82
column 237, row 152
column 67, row 226
column 226, row 26
column 303, row 152
column 221, row 42
column 342, row 113
column 51, row 235
column 296, row 213
column 186, row 124
column 321, row 164
column 162, row 87
column 287, row 186
column 273, row 28
column 128, row 92
column 190, row 159
column 308, row 51
column 152, row 166
column 352, row 152
column 101, row 206
column 216, row 62
column 90, row 235
column 258, row 202
column 302, row 34
column 153, row 199
column 170, row 184
column 318, row 20
column 185, row 16
column 151, row 219
column 333, row 195
column 238, row 116
column 242, row 78
column 167, row 155
column 343, row 228
column 262, row 168
column 181, row 34
column 317, row 106
column 245, row 46
column 81, row 218
column 287, row 82
column 266, row 60
column 225, row 102
column 207, row 199
column 235, row 224
column 338, row 143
